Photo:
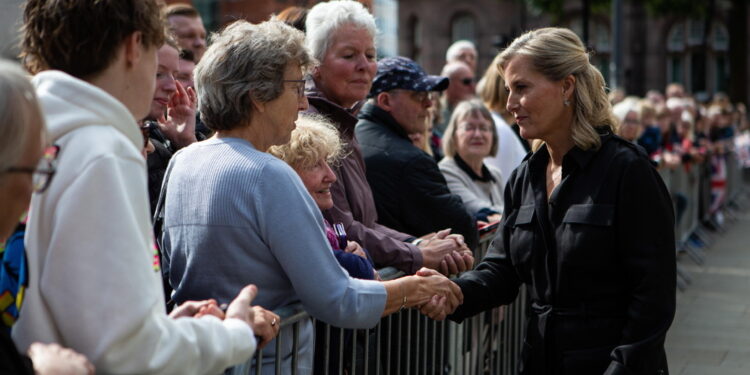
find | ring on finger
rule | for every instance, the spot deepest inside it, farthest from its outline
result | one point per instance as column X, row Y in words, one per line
column 273, row 322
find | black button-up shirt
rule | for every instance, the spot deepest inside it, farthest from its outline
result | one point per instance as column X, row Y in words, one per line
column 597, row 257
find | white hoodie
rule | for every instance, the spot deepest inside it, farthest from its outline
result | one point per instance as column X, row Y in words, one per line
column 93, row 285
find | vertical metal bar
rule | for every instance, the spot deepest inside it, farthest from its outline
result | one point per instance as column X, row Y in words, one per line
column 407, row 343
column 327, row 349
column 388, row 346
column 434, row 355
column 295, row 346
column 258, row 361
column 278, row 354
column 354, row 352
column 378, row 343
column 398, row 346
column 426, row 325
column 367, row 350
column 341, row 351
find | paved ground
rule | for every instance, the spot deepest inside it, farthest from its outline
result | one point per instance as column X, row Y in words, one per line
column 711, row 331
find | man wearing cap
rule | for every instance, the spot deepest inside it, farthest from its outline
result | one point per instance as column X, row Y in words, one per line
column 410, row 193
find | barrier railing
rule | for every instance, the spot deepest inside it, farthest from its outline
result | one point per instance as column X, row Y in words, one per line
column 488, row 343
column 404, row 343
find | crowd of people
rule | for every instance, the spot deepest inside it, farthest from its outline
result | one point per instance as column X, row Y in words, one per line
column 176, row 182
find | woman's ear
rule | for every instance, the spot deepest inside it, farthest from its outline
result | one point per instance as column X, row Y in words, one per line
column 569, row 85
column 257, row 104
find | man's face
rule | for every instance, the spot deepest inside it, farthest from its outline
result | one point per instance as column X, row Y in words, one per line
column 410, row 109
column 185, row 73
column 462, row 86
column 190, row 33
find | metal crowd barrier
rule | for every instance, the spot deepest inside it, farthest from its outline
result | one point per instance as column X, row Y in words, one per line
column 692, row 185
column 407, row 342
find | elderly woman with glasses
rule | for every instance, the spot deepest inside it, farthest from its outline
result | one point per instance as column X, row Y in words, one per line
column 235, row 214
column 471, row 136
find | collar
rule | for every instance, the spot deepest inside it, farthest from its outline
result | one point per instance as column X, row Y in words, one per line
column 485, row 177
column 575, row 157
column 373, row 113
column 345, row 119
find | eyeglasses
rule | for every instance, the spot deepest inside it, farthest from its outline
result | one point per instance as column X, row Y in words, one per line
column 300, row 86
column 470, row 129
column 467, row 81
column 44, row 171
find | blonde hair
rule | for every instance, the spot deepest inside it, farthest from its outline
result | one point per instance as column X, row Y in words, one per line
column 464, row 110
column 557, row 53
column 314, row 138
column 492, row 90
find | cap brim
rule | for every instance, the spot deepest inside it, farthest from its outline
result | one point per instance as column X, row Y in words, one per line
column 433, row 83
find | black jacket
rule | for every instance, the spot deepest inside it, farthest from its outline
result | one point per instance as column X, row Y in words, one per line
column 598, row 260
column 410, row 193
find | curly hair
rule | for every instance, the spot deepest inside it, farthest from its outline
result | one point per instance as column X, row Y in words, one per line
column 82, row 37
column 314, row 138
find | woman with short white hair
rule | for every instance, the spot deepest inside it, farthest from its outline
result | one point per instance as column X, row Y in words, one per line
column 341, row 36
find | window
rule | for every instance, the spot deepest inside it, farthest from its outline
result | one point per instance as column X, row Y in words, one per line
column 463, row 27
column 698, row 62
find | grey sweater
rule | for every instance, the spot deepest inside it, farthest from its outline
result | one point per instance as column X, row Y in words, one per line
column 236, row 216
column 475, row 194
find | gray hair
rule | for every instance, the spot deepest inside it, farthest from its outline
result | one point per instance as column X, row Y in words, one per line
column 557, row 53
column 18, row 107
column 455, row 49
column 465, row 109
column 326, row 18
column 629, row 104
column 245, row 62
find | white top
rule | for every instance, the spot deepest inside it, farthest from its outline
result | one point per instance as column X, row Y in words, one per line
column 94, row 285
column 510, row 150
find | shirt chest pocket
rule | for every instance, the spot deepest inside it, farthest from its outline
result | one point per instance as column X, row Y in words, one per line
column 587, row 234
column 523, row 235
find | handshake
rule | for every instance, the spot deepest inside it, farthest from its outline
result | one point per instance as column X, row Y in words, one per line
column 432, row 293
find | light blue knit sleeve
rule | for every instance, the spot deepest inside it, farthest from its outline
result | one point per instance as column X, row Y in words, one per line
column 291, row 223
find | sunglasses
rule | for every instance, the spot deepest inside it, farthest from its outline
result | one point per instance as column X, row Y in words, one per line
column 467, row 81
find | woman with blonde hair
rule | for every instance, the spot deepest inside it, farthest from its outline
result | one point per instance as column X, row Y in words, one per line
column 587, row 226
column 511, row 147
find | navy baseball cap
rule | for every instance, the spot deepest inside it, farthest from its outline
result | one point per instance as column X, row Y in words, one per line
column 402, row 73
